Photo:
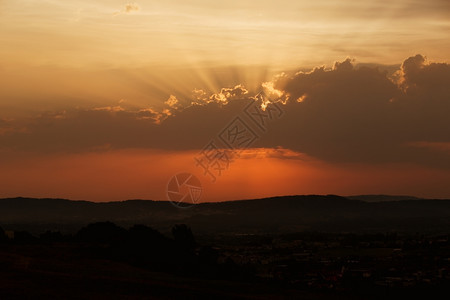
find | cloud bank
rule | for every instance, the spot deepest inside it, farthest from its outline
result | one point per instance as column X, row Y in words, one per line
column 343, row 114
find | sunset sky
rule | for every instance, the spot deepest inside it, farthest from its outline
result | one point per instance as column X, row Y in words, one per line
column 107, row 100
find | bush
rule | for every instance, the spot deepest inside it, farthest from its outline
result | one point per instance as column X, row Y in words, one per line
column 3, row 237
column 102, row 233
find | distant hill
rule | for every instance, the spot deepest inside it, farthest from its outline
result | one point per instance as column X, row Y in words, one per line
column 270, row 215
column 382, row 198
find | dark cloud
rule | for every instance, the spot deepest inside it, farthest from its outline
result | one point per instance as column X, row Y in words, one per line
column 4, row 126
column 86, row 129
column 349, row 114
column 344, row 114
column 338, row 114
column 8, row 126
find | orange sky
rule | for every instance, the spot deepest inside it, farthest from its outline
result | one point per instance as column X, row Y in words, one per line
column 108, row 100
column 139, row 174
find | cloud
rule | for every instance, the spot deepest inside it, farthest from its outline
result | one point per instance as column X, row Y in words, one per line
column 5, row 126
column 421, row 79
column 227, row 94
column 278, row 152
column 435, row 146
column 223, row 97
column 128, row 8
column 11, row 126
column 349, row 114
column 342, row 114
column 116, row 108
column 172, row 102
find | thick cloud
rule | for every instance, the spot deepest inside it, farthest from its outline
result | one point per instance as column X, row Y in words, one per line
column 117, row 128
column 350, row 114
column 344, row 114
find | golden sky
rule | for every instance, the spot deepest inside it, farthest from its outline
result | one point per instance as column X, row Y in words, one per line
column 141, row 86
column 279, row 34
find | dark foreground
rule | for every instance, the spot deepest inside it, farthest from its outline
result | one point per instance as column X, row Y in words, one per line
column 104, row 261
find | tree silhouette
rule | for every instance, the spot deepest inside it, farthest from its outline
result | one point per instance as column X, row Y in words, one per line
column 183, row 237
column 24, row 237
column 51, row 236
column 3, row 237
column 208, row 256
column 145, row 247
column 145, row 241
column 101, row 232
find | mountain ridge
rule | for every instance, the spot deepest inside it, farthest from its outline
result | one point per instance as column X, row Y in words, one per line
column 273, row 214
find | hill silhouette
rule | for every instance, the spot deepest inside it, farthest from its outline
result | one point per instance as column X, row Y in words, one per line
column 382, row 198
column 275, row 215
column 312, row 247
